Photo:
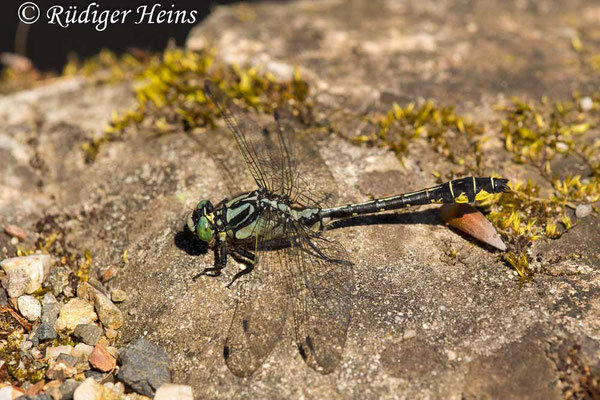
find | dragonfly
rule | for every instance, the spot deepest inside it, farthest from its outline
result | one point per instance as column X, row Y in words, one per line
column 292, row 269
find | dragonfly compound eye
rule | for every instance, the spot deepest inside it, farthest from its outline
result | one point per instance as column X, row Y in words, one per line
column 203, row 230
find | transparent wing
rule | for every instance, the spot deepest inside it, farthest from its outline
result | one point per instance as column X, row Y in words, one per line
column 310, row 181
column 314, row 275
column 262, row 155
column 321, row 284
column 260, row 312
column 283, row 160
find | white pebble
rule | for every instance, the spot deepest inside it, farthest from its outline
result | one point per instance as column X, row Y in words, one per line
column 583, row 210
column 26, row 274
column 587, row 103
column 170, row 391
column 29, row 307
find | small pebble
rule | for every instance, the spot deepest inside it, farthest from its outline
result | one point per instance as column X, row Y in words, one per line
column 25, row 274
column 15, row 232
column 145, row 367
column 53, row 352
column 3, row 297
column 583, row 210
column 109, row 314
column 90, row 390
column 586, row 103
column 74, row 313
column 60, row 371
column 82, row 351
column 50, row 309
column 30, row 307
column 170, row 391
column 95, row 375
column 101, row 359
column 111, row 333
column 119, row 387
column 66, row 359
column 9, row 392
column 118, row 295
column 88, row 333
column 14, row 241
column 67, row 388
column 45, row 331
column 57, row 280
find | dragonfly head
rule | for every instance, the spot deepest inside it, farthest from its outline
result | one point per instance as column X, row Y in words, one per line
column 200, row 221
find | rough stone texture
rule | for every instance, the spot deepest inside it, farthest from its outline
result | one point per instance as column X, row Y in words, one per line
column 74, row 313
column 109, row 314
column 171, row 391
column 101, row 359
column 50, row 309
column 25, row 274
column 45, row 331
column 90, row 389
column 88, row 333
column 144, row 367
column 423, row 326
column 30, row 307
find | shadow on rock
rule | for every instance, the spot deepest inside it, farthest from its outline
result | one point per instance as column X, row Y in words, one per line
column 184, row 240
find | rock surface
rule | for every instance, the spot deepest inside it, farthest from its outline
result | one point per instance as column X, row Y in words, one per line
column 25, row 274
column 75, row 312
column 144, row 367
column 30, row 307
column 423, row 326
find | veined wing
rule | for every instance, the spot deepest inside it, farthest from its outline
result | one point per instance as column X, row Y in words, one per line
column 321, row 292
column 261, row 309
column 284, row 161
column 309, row 179
column 265, row 157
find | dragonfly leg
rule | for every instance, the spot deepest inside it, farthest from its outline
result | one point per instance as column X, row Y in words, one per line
column 241, row 273
column 220, row 263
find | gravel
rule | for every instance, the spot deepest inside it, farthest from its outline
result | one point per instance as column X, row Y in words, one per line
column 88, row 333
column 30, row 307
column 145, row 367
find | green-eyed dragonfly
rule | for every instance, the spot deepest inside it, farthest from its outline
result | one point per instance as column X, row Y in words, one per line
column 277, row 232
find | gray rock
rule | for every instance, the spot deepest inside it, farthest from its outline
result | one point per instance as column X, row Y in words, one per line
column 95, row 375
column 41, row 396
column 88, row 333
column 145, row 367
column 57, row 280
column 45, row 331
column 50, row 309
column 66, row 359
column 25, row 274
column 67, row 388
column 30, row 307
column 3, row 297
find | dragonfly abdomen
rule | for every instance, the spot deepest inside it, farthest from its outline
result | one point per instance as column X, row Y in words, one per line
column 464, row 190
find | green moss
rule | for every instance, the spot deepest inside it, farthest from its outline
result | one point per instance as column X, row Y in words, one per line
column 536, row 134
column 447, row 132
column 170, row 95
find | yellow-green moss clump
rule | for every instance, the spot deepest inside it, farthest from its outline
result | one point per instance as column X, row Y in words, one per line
column 534, row 134
column 447, row 132
column 170, row 94
column 540, row 135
